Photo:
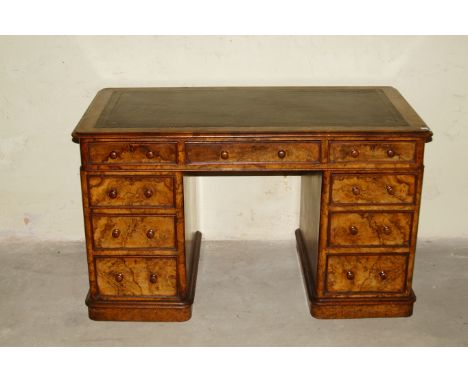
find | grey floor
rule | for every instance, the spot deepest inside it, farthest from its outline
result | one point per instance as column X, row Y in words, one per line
column 248, row 294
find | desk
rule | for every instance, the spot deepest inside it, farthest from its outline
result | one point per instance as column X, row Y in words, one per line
column 358, row 150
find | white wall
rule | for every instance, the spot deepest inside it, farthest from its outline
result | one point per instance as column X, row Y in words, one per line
column 46, row 83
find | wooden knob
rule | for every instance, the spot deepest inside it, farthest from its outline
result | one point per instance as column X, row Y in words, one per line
column 354, row 153
column 281, row 154
column 383, row 275
column 224, row 155
column 153, row 278
column 150, row 233
column 356, row 190
column 390, row 190
column 350, row 275
column 112, row 193
column 150, row 154
column 116, row 233
column 387, row 230
column 113, row 155
column 148, row 193
column 390, row 153
column 119, row 277
column 353, row 230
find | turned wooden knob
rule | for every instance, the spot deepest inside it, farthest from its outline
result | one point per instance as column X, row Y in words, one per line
column 356, row 190
column 150, row 154
column 150, row 233
column 112, row 193
column 390, row 153
column 113, row 155
column 350, row 275
column 383, row 275
column 224, row 155
column 387, row 230
column 153, row 278
column 390, row 190
column 119, row 277
column 281, row 154
column 148, row 193
column 116, row 233
column 353, row 230
column 354, row 153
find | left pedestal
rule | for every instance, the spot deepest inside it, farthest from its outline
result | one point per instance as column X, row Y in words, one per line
column 138, row 263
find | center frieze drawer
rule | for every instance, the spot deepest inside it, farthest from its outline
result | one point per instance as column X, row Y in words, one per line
column 373, row 189
column 134, row 191
column 366, row 274
column 248, row 152
column 131, row 276
column 370, row 228
column 134, row 231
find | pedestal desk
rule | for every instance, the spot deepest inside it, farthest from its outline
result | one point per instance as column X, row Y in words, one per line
column 359, row 152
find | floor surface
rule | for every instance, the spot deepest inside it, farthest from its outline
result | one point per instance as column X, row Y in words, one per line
column 248, row 294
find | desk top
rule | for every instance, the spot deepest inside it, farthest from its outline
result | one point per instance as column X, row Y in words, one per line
column 249, row 110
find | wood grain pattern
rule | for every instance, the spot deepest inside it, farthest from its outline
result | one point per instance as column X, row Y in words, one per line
column 354, row 306
column 247, row 152
column 370, row 228
column 372, row 151
column 132, row 153
column 373, row 189
column 139, row 276
column 359, row 151
column 133, row 231
column 134, row 191
column 384, row 273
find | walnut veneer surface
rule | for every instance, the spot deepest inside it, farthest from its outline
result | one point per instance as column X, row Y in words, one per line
column 359, row 151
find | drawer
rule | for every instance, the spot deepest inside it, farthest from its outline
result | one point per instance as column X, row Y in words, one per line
column 146, row 191
column 370, row 228
column 134, row 232
column 132, row 153
column 248, row 152
column 372, row 151
column 373, row 189
column 366, row 274
column 130, row 276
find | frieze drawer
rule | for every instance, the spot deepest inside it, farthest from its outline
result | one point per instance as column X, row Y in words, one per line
column 248, row 152
column 372, row 151
column 121, row 153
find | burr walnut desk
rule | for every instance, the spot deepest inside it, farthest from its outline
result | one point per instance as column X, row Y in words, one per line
column 359, row 151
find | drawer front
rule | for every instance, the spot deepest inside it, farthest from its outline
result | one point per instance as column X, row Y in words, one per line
column 110, row 153
column 372, row 151
column 366, row 274
column 146, row 191
column 247, row 152
column 370, row 229
column 134, row 232
column 136, row 276
column 373, row 189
